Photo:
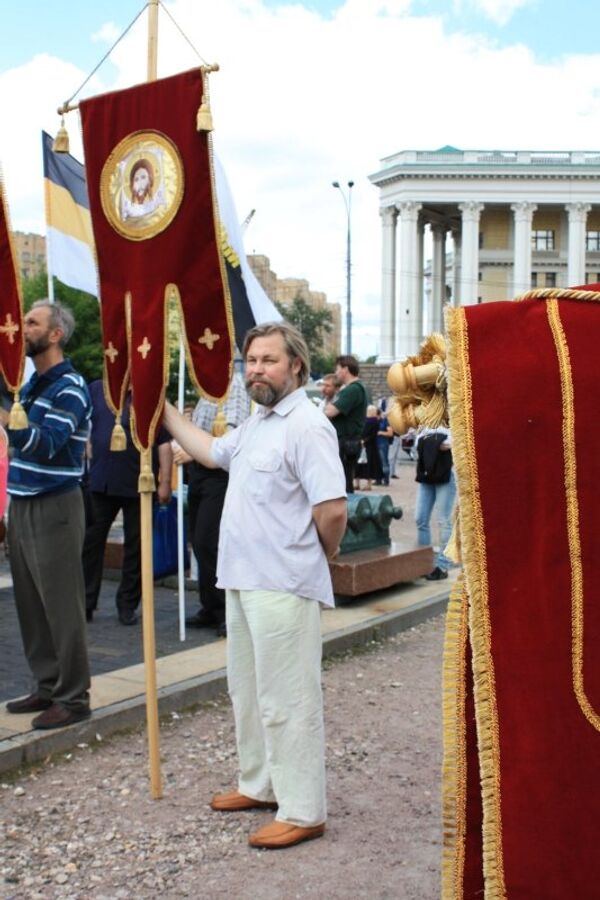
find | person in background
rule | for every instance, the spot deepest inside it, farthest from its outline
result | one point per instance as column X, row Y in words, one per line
column 371, row 469
column 436, row 488
column 384, row 436
column 328, row 388
column 46, row 522
column 206, row 495
column 347, row 412
column 112, row 487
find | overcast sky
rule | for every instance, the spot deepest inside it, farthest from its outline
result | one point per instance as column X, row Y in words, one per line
column 314, row 92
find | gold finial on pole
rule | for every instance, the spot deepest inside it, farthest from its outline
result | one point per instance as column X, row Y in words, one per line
column 61, row 141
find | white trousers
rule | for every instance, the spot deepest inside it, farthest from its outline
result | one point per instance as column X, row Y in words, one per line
column 274, row 678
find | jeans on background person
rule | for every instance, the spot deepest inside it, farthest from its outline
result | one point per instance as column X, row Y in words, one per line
column 441, row 496
column 393, row 455
column 383, row 450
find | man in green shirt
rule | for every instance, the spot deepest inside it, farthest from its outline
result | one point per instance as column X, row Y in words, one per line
column 347, row 412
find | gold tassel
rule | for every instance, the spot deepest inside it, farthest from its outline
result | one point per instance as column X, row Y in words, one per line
column 204, row 120
column 220, row 423
column 146, row 482
column 17, row 417
column 118, row 438
column 61, row 141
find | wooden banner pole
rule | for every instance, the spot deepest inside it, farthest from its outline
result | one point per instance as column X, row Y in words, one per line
column 146, row 488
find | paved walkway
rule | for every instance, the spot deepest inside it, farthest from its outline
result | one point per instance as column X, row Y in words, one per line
column 190, row 672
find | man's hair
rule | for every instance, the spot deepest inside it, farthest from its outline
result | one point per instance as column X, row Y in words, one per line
column 329, row 377
column 348, row 362
column 295, row 345
column 60, row 317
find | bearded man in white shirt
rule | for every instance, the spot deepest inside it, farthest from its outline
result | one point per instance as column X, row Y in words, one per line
column 284, row 517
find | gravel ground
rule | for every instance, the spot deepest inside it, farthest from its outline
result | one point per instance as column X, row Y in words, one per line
column 82, row 825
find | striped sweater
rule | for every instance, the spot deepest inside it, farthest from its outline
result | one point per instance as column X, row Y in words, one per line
column 47, row 456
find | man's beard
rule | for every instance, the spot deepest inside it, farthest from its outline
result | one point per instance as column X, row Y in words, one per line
column 34, row 348
column 266, row 394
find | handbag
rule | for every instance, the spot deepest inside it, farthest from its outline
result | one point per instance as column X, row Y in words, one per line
column 164, row 539
column 434, row 466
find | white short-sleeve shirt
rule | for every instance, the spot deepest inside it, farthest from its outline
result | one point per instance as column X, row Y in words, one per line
column 281, row 463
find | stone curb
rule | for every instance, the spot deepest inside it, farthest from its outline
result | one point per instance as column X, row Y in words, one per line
column 32, row 747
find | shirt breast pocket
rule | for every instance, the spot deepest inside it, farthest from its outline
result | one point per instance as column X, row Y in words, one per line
column 264, row 472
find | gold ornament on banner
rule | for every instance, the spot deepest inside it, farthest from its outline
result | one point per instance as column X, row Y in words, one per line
column 17, row 417
column 61, row 141
column 220, row 423
column 419, row 387
column 204, row 120
column 118, row 438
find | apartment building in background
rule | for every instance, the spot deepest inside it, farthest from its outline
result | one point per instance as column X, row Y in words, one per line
column 285, row 290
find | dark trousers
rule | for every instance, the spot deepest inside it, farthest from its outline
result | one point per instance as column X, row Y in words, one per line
column 45, row 537
column 349, row 462
column 104, row 509
column 206, row 496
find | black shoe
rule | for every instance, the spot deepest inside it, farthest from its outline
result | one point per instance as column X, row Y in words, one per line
column 395, row 476
column 127, row 617
column 201, row 619
column 221, row 630
column 437, row 574
column 33, row 703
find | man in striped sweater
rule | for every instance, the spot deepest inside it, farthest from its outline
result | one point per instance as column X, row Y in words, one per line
column 46, row 523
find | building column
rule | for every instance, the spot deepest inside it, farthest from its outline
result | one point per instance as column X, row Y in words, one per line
column 576, row 258
column 421, row 276
column 469, row 277
column 456, row 266
column 438, row 278
column 387, row 343
column 523, row 213
column 409, row 328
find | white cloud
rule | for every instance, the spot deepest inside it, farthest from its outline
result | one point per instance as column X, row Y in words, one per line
column 500, row 11
column 303, row 100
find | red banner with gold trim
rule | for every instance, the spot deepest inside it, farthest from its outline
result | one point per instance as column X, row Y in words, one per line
column 522, row 793
column 12, row 347
column 153, row 208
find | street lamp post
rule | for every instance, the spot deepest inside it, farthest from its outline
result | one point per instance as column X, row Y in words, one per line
column 347, row 198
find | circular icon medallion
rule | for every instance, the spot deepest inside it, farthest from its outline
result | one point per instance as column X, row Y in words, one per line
column 141, row 185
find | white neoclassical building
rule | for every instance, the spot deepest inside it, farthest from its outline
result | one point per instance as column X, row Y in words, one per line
column 495, row 223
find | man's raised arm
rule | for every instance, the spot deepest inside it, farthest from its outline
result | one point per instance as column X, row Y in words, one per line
column 195, row 441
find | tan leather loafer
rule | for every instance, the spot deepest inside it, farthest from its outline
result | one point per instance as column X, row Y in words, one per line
column 283, row 834
column 233, row 801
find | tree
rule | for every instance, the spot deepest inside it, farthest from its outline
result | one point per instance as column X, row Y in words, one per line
column 85, row 346
column 313, row 324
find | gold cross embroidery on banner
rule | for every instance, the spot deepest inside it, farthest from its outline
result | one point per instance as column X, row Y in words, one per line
column 145, row 347
column 209, row 339
column 111, row 351
column 9, row 328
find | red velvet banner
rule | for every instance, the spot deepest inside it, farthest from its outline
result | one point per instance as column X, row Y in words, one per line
column 151, row 191
column 12, row 346
column 526, row 447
